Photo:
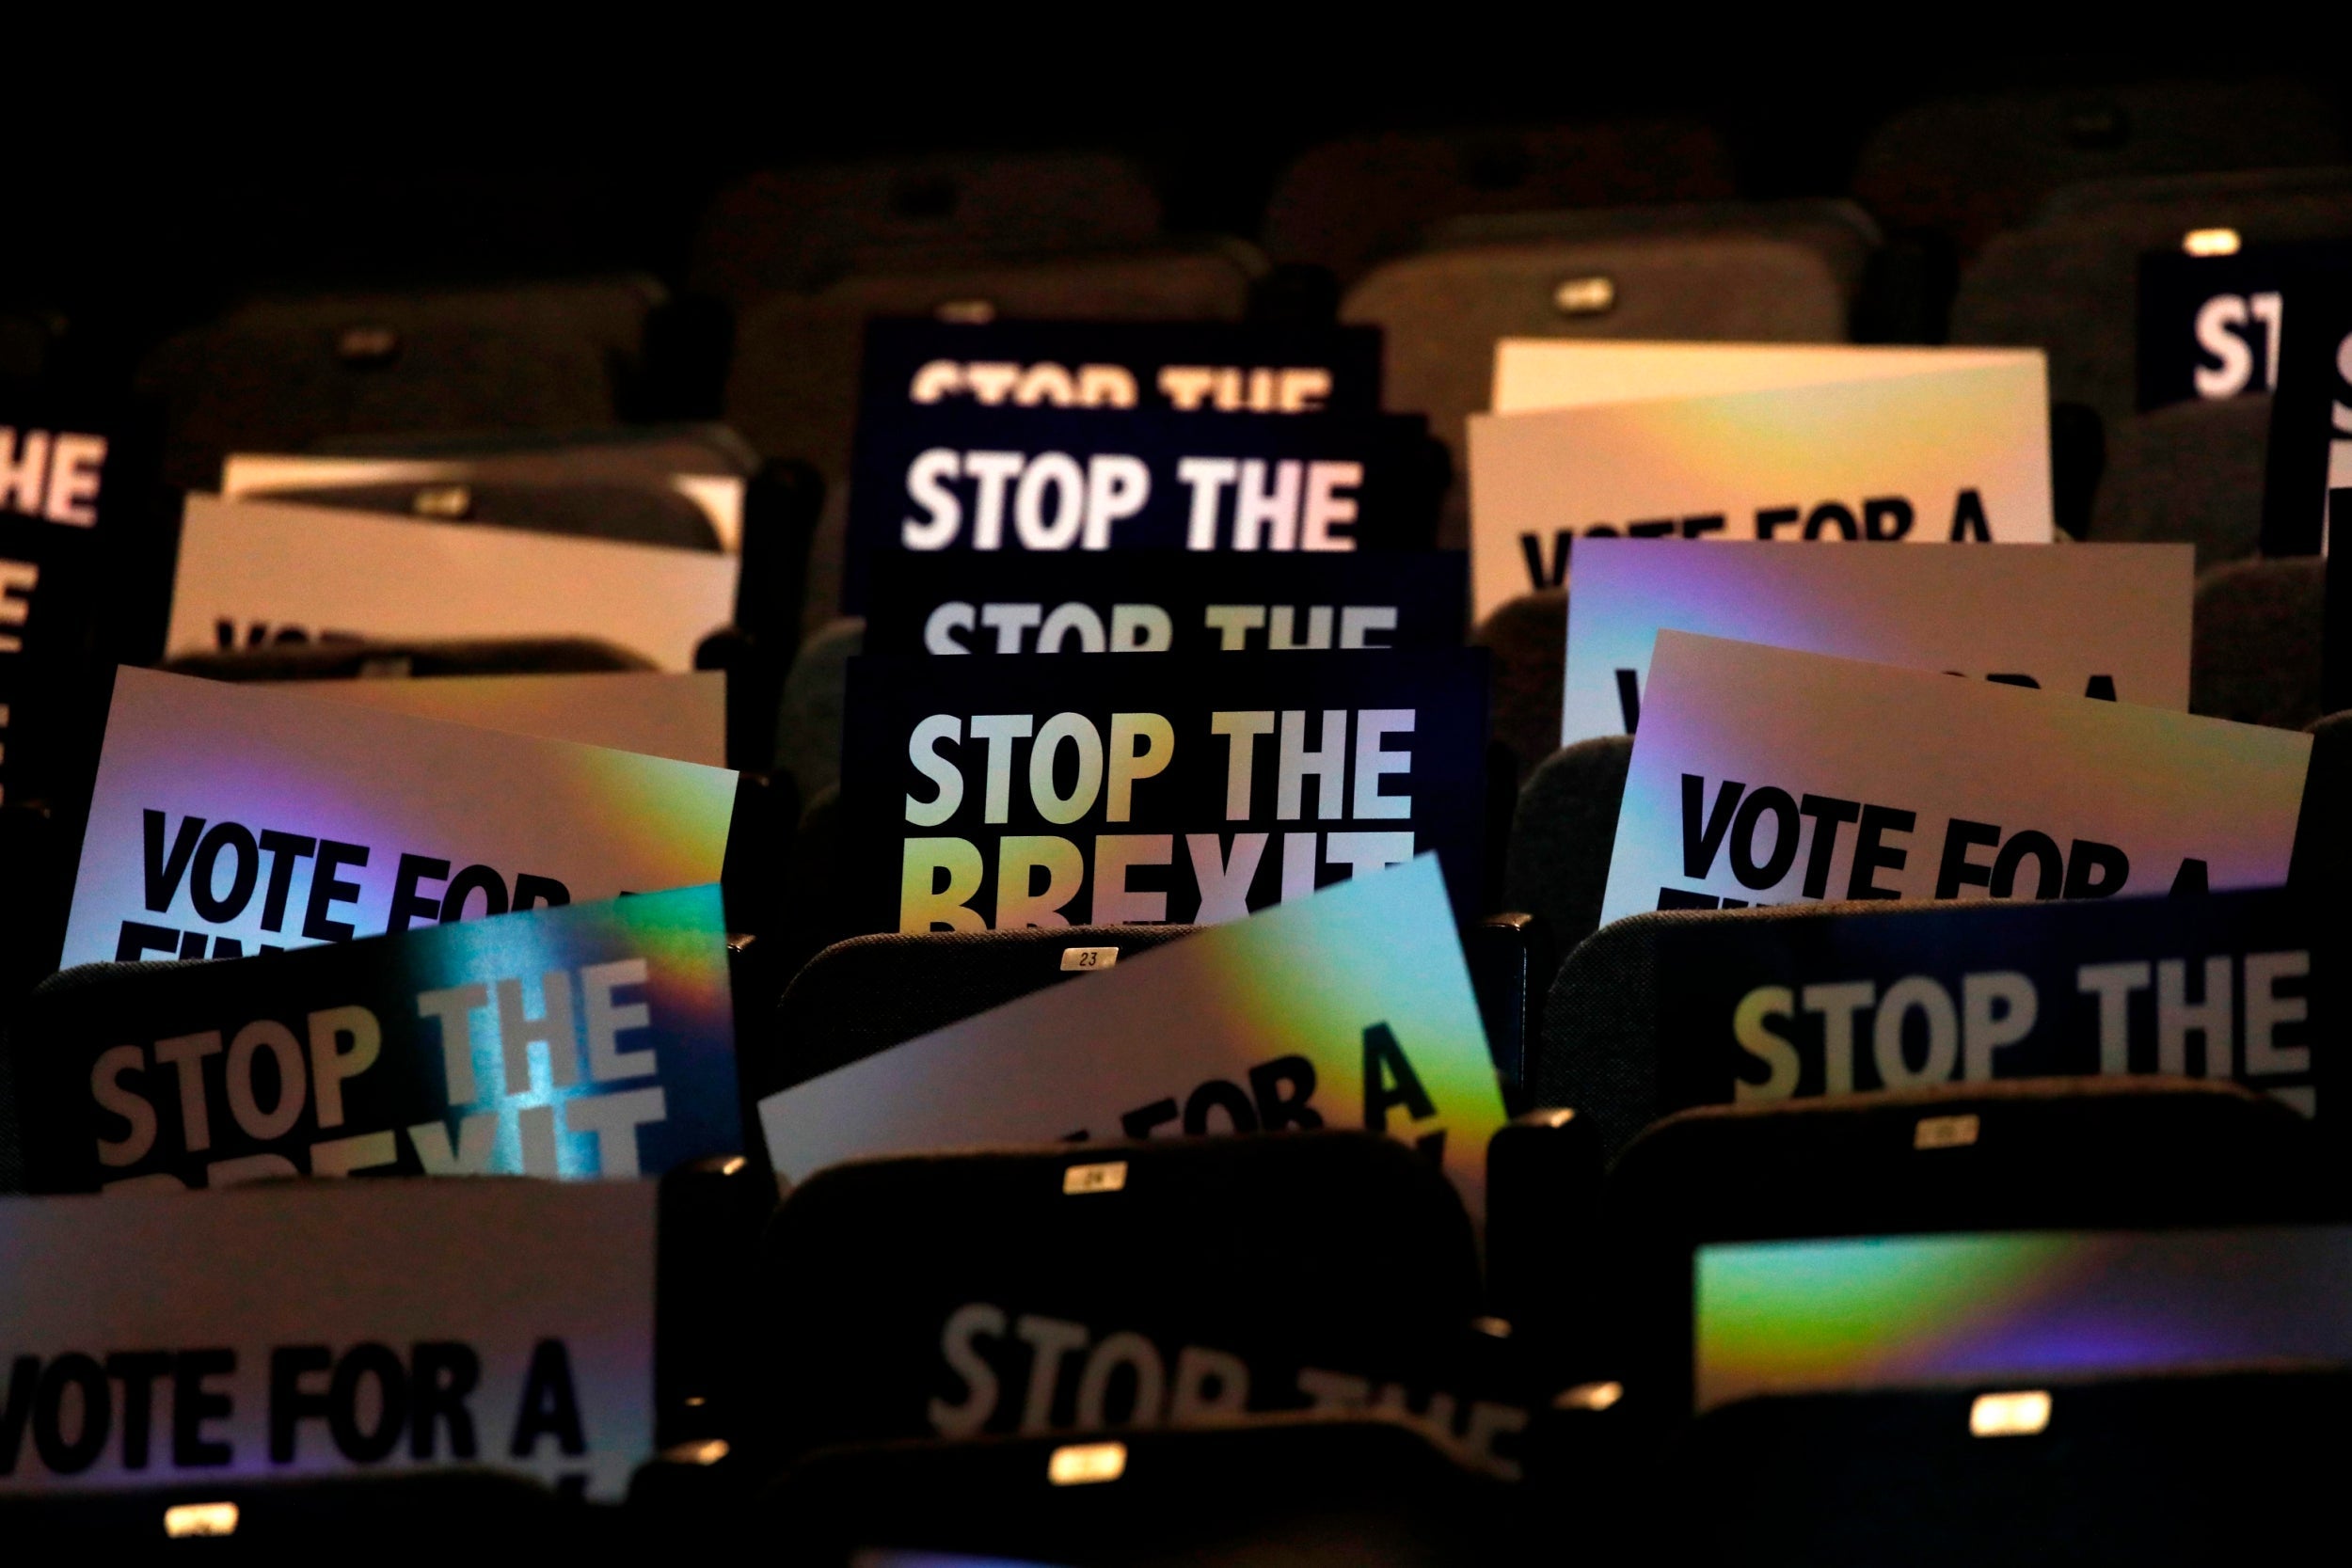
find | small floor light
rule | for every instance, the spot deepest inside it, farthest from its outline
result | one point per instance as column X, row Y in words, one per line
column 2210, row 242
column 1085, row 1464
column 186, row 1519
column 2018, row 1415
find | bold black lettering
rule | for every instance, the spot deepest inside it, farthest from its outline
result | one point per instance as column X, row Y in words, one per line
column 136, row 1371
column 1680, row 899
column 2050, row 867
column 1538, row 575
column 192, row 945
column 1770, row 521
column 2096, row 870
column 232, row 838
column 1277, row 1110
column 89, row 1379
column 550, row 1406
column 1968, row 520
column 2100, row 689
column 290, row 1403
column 1701, row 838
column 407, row 904
column 1629, row 699
column 164, row 871
column 2191, row 877
column 283, row 850
column 531, row 892
column 1885, row 518
column 1220, row 1095
column 138, row 940
column 1138, row 1122
column 444, row 1372
column 2013, row 679
column 1651, row 528
column 1744, row 866
column 1829, row 814
column 1389, row 1081
column 473, row 879
column 193, row 1404
column 326, row 890
column 1869, row 854
column 24, row 1377
column 1706, row 522
column 1956, row 870
column 354, row 1442
column 1832, row 514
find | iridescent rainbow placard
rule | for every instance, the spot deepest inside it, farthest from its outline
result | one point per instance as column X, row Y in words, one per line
column 332, row 1328
column 1354, row 1007
column 1923, row 1311
column 217, row 805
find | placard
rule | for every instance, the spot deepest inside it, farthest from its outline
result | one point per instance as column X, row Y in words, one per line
column 987, row 794
column 158, row 1339
column 76, row 489
column 663, row 715
column 255, row 572
column 1766, row 776
column 594, row 1040
column 957, row 477
column 1351, row 1008
column 2107, row 620
column 2311, row 420
column 229, row 819
column 2223, row 986
column 2211, row 327
column 1959, row 455
column 1166, row 601
column 1533, row 373
column 1173, row 367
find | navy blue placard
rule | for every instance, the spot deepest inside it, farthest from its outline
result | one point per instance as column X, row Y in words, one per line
column 587, row 1040
column 1171, row 367
column 2227, row 985
column 958, row 478
column 2213, row 326
column 2311, row 417
column 1166, row 601
column 1183, row 788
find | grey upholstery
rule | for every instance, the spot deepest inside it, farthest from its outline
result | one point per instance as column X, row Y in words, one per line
column 279, row 376
column 2188, row 474
column 1562, row 833
column 2069, row 283
column 1970, row 167
column 2256, row 652
column 1528, row 640
column 1777, row 275
column 809, row 715
column 1349, row 203
column 787, row 230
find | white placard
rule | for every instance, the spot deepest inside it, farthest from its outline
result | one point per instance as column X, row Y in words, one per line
column 663, row 715
column 1533, row 373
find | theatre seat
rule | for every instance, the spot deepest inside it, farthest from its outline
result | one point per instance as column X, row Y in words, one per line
column 237, row 1519
column 1557, row 865
column 2188, row 474
column 2256, row 653
column 1529, row 639
column 809, row 709
column 473, row 655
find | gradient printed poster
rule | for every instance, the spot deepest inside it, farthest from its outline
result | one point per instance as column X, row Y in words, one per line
column 231, row 819
column 593, row 1040
column 1953, row 454
column 1767, row 776
column 196, row 1339
column 2011, row 1308
column 2094, row 620
column 1351, row 1008
column 660, row 714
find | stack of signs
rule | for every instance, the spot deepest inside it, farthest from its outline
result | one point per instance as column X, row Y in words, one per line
column 74, row 495
column 259, row 572
column 1351, row 1008
column 2211, row 327
column 1045, row 437
column 230, row 819
column 1764, row 775
column 591, row 1041
column 2311, row 419
column 2107, row 620
column 189, row 1341
column 1735, row 441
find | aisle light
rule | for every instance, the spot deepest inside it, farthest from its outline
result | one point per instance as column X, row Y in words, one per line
column 2210, row 242
column 2018, row 1415
column 1085, row 1464
column 186, row 1519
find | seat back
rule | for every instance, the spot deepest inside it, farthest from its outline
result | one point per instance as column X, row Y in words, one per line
column 2256, row 655
column 1528, row 640
column 809, row 709
column 486, row 655
column 1562, row 833
column 2188, row 474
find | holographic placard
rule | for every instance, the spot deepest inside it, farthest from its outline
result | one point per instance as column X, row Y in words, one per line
column 1767, row 776
column 254, row 571
column 593, row 1040
column 1350, row 1008
column 2015, row 1307
column 185, row 1339
column 2097, row 620
column 229, row 819
column 1955, row 454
